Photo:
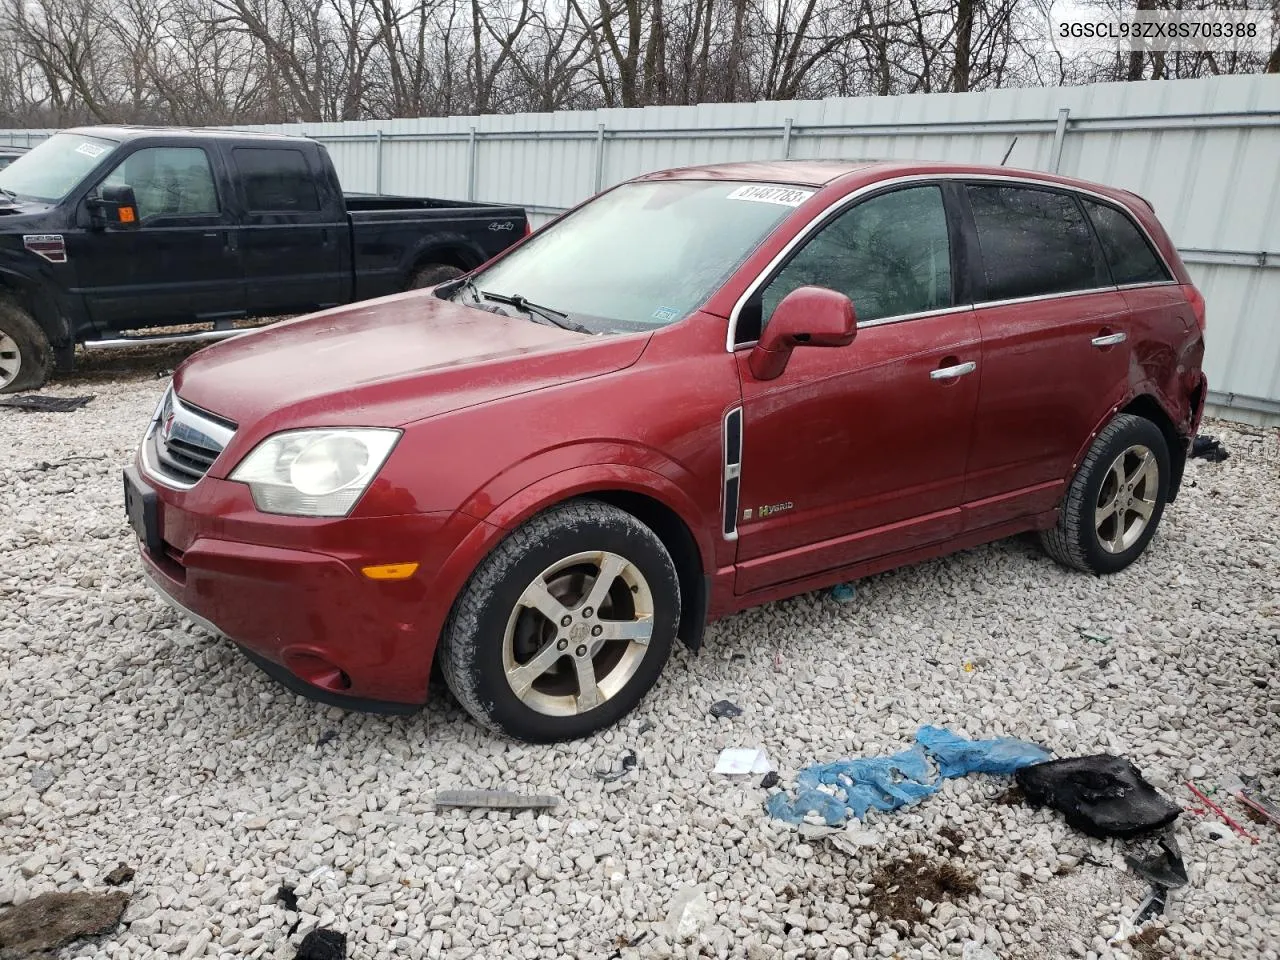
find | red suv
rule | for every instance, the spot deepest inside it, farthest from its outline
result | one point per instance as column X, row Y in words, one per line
column 702, row 390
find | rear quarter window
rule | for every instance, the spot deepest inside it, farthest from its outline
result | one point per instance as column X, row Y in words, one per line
column 1129, row 256
column 276, row 180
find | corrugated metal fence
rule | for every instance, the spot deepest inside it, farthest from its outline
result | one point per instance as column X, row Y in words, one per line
column 1206, row 153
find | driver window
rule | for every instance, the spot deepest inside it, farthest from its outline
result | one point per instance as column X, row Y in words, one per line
column 890, row 255
column 168, row 181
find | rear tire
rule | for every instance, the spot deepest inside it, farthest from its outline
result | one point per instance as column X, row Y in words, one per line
column 1116, row 499
column 26, row 358
column 434, row 273
column 540, row 648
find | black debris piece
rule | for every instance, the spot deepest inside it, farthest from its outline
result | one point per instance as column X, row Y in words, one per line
column 123, row 873
column 42, row 924
column 287, row 895
column 323, row 944
column 645, row 728
column 326, row 738
column 725, row 708
column 1103, row 795
column 1164, row 868
column 770, row 779
column 1208, row 448
column 34, row 403
column 627, row 762
column 1152, row 906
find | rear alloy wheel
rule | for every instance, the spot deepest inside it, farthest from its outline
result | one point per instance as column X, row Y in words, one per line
column 565, row 626
column 1116, row 499
column 433, row 274
column 26, row 359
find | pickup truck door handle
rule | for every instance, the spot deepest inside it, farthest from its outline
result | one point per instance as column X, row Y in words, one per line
column 1109, row 339
column 950, row 373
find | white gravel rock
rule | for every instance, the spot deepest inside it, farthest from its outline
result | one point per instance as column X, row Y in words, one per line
column 129, row 735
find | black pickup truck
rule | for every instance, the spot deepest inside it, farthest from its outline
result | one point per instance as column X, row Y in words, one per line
column 112, row 229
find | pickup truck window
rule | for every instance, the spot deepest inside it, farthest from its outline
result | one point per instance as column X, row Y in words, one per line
column 52, row 170
column 276, row 180
column 645, row 254
column 168, row 181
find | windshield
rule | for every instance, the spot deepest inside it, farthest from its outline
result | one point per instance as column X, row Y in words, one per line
column 644, row 255
column 50, row 171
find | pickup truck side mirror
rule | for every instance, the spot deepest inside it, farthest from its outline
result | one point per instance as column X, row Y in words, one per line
column 115, row 204
column 806, row 317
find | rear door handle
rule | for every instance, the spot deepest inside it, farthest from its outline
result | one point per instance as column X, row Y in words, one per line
column 950, row 373
column 1109, row 339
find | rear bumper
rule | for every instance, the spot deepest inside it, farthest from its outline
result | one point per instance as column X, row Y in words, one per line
column 291, row 594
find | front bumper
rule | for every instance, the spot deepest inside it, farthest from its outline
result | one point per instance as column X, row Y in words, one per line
column 290, row 591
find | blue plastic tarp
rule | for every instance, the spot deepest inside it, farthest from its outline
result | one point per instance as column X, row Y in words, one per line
column 887, row 783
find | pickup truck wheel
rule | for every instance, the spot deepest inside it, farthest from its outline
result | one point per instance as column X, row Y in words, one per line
column 432, row 274
column 564, row 626
column 1115, row 500
column 26, row 359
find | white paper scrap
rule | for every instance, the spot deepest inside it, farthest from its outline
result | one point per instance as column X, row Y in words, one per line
column 739, row 761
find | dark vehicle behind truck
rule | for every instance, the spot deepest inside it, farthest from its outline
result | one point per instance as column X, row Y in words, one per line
column 107, row 230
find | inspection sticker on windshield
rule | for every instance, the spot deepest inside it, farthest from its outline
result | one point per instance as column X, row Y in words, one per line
column 91, row 150
column 763, row 193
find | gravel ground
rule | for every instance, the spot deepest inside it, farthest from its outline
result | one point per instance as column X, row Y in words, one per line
column 129, row 735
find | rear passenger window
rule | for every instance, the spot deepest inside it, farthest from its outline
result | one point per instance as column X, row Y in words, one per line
column 276, row 180
column 890, row 255
column 1128, row 254
column 1033, row 242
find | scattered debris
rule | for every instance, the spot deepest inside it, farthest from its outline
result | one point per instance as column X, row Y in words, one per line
column 1103, row 795
column 1208, row 448
column 886, row 783
column 495, row 800
column 627, row 762
column 725, row 708
column 951, row 835
column 844, row 593
column 1095, row 637
column 34, row 403
column 1145, row 945
column 1257, row 807
column 645, row 728
column 1164, row 869
column 287, row 895
column 1222, row 814
column 123, row 873
column 900, row 885
column 326, row 738
column 52, row 920
column 735, row 761
column 1152, row 906
column 770, row 780
column 323, row 944
column 622, row 942
column 689, row 912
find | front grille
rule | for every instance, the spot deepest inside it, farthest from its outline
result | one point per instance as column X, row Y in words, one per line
column 183, row 442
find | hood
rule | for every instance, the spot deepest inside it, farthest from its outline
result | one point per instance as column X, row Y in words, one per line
column 389, row 362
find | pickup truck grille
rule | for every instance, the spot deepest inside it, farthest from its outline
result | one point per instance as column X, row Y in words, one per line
column 183, row 442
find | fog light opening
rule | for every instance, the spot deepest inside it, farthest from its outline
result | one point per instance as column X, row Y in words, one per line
column 318, row 671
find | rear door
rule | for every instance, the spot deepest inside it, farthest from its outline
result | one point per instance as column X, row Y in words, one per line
column 294, row 230
column 1055, row 346
column 179, row 263
column 860, row 451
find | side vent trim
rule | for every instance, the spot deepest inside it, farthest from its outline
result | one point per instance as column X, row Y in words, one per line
column 732, row 449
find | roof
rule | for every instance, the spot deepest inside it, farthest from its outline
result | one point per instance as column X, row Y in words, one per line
column 121, row 132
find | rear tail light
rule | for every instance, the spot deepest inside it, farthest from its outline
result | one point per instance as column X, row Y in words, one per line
column 1196, row 299
column 528, row 227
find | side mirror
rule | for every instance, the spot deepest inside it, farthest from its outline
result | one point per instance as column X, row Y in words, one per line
column 115, row 204
column 806, row 317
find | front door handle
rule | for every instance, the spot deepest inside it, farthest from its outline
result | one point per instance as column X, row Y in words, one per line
column 1109, row 339
column 950, row 373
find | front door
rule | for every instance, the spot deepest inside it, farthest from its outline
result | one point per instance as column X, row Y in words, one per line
column 860, row 451
column 179, row 263
column 1055, row 348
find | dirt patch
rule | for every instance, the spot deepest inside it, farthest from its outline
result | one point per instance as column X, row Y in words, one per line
column 951, row 836
column 901, row 884
column 1013, row 797
column 52, row 920
column 1146, row 945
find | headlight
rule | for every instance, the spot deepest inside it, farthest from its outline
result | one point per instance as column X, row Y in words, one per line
column 314, row 473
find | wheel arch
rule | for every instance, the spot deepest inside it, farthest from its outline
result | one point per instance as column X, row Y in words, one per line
column 1146, row 405
column 453, row 250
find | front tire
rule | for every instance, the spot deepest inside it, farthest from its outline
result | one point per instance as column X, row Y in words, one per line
column 26, row 359
column 565, row 626
column 1116, row 499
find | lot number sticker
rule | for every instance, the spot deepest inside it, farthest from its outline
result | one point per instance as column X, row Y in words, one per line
column 91, row 150
column 761, row 193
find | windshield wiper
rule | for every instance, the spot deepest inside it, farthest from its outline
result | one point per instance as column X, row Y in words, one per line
column 561, row 320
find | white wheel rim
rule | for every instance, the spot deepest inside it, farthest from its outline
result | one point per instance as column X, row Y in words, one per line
column 10, row 359
column 578, row 633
